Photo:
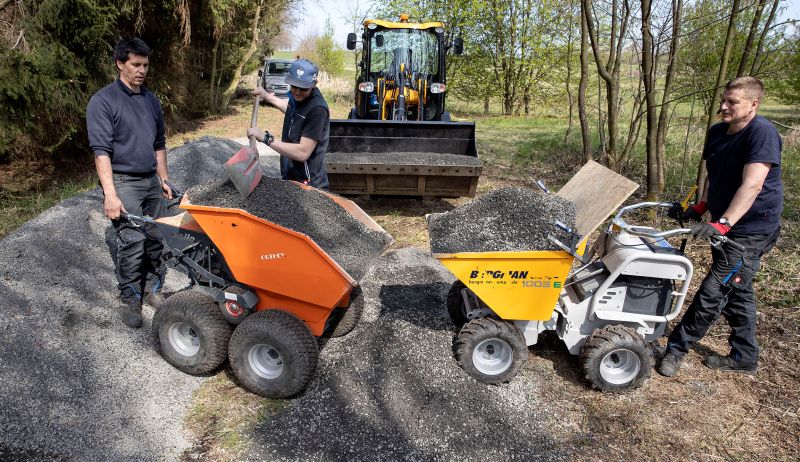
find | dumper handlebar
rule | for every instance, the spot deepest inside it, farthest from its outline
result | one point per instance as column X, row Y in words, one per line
column 716, row 240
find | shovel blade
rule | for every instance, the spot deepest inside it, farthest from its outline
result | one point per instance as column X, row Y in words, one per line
column 244, row 170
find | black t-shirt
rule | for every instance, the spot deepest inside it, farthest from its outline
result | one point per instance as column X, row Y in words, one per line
column 310, row 119
column 726, row 155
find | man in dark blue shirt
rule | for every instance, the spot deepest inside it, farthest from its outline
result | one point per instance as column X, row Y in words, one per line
column 306, row 127
column 744, row 195
column 126, row 134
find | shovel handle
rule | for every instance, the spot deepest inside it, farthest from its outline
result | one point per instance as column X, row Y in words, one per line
column 254, row 124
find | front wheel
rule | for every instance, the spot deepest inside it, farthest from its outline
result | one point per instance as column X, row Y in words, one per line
column 616, row 358
column 191, row 333
column 491, row 350
column 346, row 319
column 273, row 354
column 456, row 307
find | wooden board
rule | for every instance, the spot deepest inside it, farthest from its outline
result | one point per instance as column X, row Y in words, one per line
column 597, row 192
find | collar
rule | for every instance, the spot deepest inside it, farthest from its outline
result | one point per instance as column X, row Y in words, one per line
column 128, row 91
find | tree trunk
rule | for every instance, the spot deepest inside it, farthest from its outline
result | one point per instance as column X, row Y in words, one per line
column 723, row 70
column 663, row 123
column 237, row 74
column 569, row 76
column 756, row 67
column 650, row 102
column 584, row 83
column 213, row 86
column 748, row 44
column 486, row 105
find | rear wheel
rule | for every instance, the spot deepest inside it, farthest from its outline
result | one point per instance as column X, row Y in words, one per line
column 346, row 319
column 491, row 350
column 191, row 333
column 273, row 354
column 455, row 304
column 616, row 358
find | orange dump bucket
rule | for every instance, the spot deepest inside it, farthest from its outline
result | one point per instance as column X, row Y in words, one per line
column 286, row 269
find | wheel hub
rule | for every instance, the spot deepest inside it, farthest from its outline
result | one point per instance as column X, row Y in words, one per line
column 620, row 366
column 265, row 361
column 492, row 356
column 184, row 339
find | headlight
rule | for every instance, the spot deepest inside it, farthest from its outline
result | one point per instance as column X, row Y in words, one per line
column 366, row 87
column 437, row 88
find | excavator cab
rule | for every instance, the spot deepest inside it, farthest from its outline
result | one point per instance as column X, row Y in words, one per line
column 398, row 139
column 401, row 74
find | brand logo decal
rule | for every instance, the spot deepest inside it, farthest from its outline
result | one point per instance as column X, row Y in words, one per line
column 272, row 256
column 300, row 72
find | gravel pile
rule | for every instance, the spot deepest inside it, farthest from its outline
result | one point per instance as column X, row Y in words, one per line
column 403, row 158
column 391, row 390
column 345, row 239
column 506, row 219
column 203, row 160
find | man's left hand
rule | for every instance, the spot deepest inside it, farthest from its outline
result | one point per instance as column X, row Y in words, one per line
column 706, row 230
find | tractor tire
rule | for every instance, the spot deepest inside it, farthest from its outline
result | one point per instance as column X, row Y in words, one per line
column 491, row 350
column 455, row 304
column 191, row 333
column 347, row 319
column 273, row 354
column 616, row 358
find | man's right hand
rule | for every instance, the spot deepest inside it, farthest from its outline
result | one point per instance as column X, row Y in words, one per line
column 692, row 213
column 113, row 207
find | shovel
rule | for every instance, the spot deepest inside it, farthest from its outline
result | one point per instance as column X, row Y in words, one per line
column 243, row 168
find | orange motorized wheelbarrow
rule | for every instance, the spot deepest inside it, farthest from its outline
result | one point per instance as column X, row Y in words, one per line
column 261, row 293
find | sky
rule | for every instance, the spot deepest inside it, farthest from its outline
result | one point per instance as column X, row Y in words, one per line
column 314, row 12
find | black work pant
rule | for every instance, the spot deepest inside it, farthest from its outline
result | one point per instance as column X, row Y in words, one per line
column 726, row 290
column 140, row 269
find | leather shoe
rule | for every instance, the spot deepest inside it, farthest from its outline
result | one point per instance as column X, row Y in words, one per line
column 131, row 314
column 726, row 363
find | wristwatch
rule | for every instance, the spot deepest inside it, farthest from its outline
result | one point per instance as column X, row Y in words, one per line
column 268, row 138
column 724, row 221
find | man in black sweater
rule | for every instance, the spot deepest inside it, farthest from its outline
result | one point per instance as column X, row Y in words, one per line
column 126, row 133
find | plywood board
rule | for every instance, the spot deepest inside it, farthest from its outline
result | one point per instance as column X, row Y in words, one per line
column 597, row 192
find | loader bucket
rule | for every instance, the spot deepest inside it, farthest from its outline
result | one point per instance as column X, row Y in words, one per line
column 403, row 158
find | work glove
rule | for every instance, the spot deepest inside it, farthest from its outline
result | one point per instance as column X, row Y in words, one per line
column 692, row 213
column 706, row 230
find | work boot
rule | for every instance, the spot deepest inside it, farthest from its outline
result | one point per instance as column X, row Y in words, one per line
column 669, row 365
column 131, row 313
column 154, row 299
column 726, row 363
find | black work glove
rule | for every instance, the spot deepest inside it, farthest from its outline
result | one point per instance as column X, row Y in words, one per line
column 691, row 213
column 706, row 230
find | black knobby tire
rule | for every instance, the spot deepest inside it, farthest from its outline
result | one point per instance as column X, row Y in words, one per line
column 455, row 304
column 273, row 354
column 346, row 319
column 191, row 333
column 491, row 350
column 616, row 358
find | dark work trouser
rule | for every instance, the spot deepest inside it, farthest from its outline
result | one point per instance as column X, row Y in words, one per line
column 726, row 290
column 139, row 266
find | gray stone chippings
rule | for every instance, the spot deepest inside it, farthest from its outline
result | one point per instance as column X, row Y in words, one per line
column 391, row 389
column 506, row 219
column 345, row 239
column 403, row 158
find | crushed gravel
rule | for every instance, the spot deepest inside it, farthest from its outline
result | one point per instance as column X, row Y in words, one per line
column 403, row 158
column 391, row 389
column 311, row 212
column 76, row 383
column 506, row 219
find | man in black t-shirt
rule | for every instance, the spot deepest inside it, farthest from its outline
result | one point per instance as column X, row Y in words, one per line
column 126, row 133
column 744, row 195
column 306, row 125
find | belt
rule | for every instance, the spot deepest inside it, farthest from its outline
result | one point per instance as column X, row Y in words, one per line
column 137, row 174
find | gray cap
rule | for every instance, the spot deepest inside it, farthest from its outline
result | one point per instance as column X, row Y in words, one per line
column 302, row 73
